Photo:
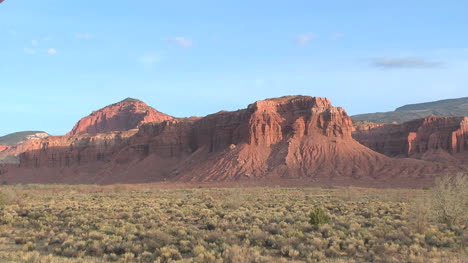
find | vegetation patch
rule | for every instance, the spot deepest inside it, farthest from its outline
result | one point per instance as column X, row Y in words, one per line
column 143, row 224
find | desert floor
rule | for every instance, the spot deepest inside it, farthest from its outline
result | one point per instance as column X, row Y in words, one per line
column 146, row 223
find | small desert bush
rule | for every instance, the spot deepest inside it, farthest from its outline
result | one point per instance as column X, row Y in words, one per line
column 420, row 213
column 450, row 200
column 318, row 217
column 8, row 196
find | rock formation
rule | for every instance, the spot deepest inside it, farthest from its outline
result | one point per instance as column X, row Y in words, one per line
column 418, row 138
column 4, row 147
column 71, row 151
column 19, row 137
column 365, row 125
column 294, row 137
column 14, row 145
column 285, row 137
column 123, row 116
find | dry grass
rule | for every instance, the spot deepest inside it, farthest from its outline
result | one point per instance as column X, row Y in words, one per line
column 144, row 224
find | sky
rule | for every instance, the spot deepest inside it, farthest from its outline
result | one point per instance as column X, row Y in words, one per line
column 60, row 60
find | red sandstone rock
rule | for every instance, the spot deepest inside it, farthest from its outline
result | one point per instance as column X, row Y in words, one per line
column 418, row 138
column 68, row 151
column 365, row 125
column 295, row 137
column 123, row 116
column 3, row 147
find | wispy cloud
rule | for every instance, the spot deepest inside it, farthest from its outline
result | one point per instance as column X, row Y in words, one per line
column 82, row 35
column 12, row 32
column 178, row 41
column 337, row 35
column 304, row 39
column 404, row 62
column 34, row 42
column 51, row 51
column 30, row 51
column 149, row 60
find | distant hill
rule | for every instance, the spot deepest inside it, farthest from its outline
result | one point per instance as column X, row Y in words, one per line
column 17, row 137
column 441, row 108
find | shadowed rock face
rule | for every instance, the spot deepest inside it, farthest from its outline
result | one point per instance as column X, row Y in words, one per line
column 417, row 138
column 71, row 151
column 281, row 138
column 123, row 116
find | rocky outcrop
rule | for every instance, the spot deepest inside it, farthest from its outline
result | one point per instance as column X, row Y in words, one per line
column 9, row 153
column 365, row 125
column 3, row 148
column 289, row 137
column 294, row 137
column 418, row 138
column 123, row 116
column 19, row 137
column 71, row 151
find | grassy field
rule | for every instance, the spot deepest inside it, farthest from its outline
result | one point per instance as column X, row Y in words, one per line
column 149, row 224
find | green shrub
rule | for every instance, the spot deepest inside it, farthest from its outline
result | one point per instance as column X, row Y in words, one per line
column 318, row 217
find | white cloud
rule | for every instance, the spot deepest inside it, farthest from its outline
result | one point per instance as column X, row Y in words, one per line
column 179, row 41
column 404, row 62
column 51, row 51
column 12, row 32
column 82, row 35
column 336, row 35
column 34, row 42
column 149, row 60
column 30, row 51
column 304, row 39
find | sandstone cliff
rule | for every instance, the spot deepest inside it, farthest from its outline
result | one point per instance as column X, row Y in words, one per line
column 70, row 151
column 123, row 116
column 294, row 137
column 418, row 138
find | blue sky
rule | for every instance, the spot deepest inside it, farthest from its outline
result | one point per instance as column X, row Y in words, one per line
column 59, row 60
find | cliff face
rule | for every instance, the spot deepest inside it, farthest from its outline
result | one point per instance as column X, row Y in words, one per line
column 71, row 151
column 415, row 138
column 283, row 137
column 123, row 116
column 295, row 137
